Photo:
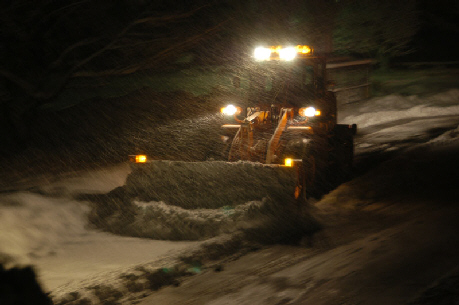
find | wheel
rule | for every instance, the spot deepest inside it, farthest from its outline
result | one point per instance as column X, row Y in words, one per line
column 301, row 148
column 348, row 164
column 306, row 179
column 315, row 170
column 309, row 164
column 342, row 158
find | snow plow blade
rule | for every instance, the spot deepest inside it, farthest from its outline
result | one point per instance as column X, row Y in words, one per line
column 210, row 184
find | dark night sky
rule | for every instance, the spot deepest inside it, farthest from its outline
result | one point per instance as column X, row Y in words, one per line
column 438, row 37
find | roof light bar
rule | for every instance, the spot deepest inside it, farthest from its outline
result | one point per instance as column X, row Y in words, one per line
column 281, row 52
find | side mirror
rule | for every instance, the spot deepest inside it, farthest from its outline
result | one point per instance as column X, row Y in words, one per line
column 237, row 82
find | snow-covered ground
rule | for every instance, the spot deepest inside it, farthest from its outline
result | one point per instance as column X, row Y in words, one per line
column 395, row 122
column 48, row 228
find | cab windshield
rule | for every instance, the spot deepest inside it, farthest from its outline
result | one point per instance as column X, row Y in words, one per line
column 282, row 83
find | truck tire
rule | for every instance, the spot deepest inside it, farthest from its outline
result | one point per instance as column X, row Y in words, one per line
column 308, row 174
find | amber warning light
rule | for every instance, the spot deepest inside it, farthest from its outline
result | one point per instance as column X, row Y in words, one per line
column 289, row 162
column 138, row 158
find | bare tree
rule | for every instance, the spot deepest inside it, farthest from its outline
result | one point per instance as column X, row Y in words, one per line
column 45, row 43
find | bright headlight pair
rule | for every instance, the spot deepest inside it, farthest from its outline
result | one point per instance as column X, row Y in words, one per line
column 286, row 54
column 309, row 111
column 231, row 110
column 262, row 53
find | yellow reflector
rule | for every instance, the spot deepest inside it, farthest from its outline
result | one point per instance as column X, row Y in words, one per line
column 140, row 159
column 289, row 162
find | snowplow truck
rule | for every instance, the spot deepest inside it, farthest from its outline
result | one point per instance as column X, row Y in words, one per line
column 282, row 123
column 289, row 117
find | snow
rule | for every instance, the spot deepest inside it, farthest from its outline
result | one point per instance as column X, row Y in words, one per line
column 49, row 228
column 34, row 226
column 211, row 184
column 94, row 253
column 449, row 137
column 395, row 107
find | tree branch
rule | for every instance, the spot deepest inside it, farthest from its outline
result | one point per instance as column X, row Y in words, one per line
column 148, row 62
column 122, row 33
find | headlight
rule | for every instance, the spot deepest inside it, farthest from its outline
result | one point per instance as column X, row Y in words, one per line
column 262, row 53
column 287, row 53
column 231, row 110
column 309, row 111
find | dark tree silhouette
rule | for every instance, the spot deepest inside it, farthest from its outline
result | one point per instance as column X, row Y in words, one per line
column 46, row 43
column 377, row 28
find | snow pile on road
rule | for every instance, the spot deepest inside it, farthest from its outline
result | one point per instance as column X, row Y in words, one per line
column 395, row 107
column 199, row 200
column 268, row 223
column 193, row 200
column 209, row 184
column 264, row 221
column 162, row 221
column 33, row 226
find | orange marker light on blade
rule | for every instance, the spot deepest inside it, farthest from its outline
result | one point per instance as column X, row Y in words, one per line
column 140, row 159
column 288, row 162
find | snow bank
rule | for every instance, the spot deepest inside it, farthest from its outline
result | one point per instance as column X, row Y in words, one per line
column 129, row 285
column 161, row 221
column 32, row 225
column 277, row 220
column 449, row 97
column 209, row 184
column 258, row 222
column 198, row 200
column 395, row 107
column 265, row 221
